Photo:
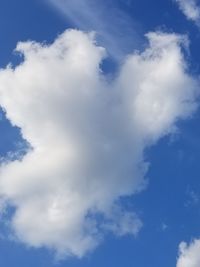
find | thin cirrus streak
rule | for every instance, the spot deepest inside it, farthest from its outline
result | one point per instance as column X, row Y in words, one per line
column 114, row 28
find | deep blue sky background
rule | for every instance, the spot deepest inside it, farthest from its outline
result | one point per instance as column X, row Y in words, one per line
column 169, row 207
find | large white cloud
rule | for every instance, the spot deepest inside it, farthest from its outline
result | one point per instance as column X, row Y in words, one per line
column 189, row 255
column 190, row 9
column 87, row 135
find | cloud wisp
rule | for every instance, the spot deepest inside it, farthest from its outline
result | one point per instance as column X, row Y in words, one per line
column 190, row 9
column 115, row 29
column 87, row 135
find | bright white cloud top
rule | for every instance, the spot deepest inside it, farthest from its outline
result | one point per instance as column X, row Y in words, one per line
column 87, row 134
column 189, row 254
column 190, row 9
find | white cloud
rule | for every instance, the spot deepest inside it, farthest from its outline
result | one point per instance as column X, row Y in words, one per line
column 190, row 9
column 121, row 222
column 87, row 134
column 189, row 254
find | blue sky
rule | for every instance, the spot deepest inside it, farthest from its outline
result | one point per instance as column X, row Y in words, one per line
column 97, row 167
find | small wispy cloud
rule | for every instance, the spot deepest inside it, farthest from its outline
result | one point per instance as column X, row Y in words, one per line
column 190, row 9
column 164, row 226
column 192, row 198
column 115, row 29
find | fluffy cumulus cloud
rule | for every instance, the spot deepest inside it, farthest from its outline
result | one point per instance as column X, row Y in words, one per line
column 87, row 135
column 189, row 254
column 190, row 9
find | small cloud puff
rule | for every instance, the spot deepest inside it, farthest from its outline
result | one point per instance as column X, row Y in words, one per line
column 189, row 254
column 190, row 9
